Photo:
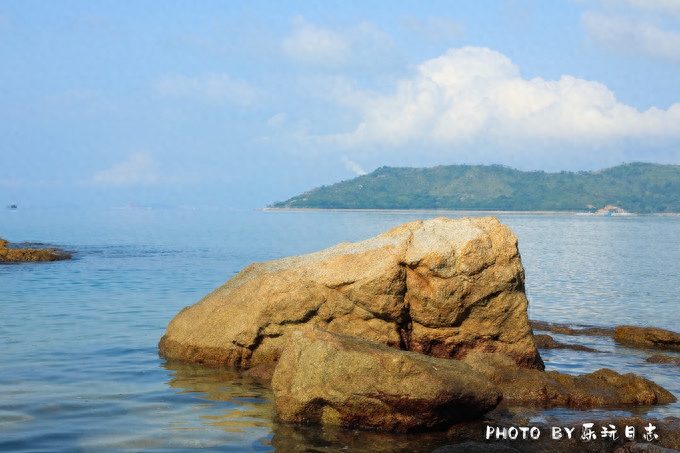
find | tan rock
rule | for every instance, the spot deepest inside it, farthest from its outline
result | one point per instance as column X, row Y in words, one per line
column 333, row 379
column 662, row 358
column 647, row 337
column 17, row 255
column 440, row 287
column 603, row 388
column 545, row 341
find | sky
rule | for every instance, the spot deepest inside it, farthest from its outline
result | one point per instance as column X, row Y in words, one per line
column 239, row 104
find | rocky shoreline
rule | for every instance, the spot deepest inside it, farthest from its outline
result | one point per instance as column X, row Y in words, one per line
column 11, row 253
column 422, row 327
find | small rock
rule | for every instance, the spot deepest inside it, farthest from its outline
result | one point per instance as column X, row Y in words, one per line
column 647, row 337
column 17, row 255
column 565, row 329
column 332, row 379
column 545, row 341
column 662, row 358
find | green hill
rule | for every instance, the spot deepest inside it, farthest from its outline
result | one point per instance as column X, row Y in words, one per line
column 635, row 187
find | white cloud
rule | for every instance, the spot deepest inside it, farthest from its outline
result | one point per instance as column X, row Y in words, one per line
column 631, row 36
column 311, row 44
column 277, row 120
column 212, row 88
column 363, row 44
column 139, row 169
column 353, row 166
column 475, row 95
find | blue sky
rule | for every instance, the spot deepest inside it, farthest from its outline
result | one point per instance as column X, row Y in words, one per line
column 237, row 104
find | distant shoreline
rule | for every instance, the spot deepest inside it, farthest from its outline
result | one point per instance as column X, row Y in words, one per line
column 435, row 211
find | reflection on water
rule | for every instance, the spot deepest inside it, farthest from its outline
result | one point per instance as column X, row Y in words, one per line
column 289, row 437
column 245, row 407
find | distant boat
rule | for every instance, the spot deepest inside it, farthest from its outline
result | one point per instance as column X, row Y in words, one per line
column 12, row 206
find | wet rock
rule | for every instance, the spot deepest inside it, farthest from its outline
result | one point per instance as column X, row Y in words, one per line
column 662, row 358
column 440, row 287
column 565, row 329
column 545, row 341
column 13, row 254
column 603, row 388
column 476, row 447
column 647, row 337
column 635, row 447
column 332, row 379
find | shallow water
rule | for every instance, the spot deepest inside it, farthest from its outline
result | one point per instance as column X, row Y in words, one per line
column 79, row 369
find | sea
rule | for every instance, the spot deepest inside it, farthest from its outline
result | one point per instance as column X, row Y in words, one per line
column 79, row 364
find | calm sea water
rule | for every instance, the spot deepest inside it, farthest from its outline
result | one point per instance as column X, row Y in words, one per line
column 79, row 369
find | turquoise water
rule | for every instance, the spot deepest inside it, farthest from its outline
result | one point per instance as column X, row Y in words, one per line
column 79, row 369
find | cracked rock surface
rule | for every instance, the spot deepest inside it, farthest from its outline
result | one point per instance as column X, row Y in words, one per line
column 440, row 287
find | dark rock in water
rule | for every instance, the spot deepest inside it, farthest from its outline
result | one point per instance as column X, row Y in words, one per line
column 545, row 341
column 635, row 447
column 603, row 388
column 565, row 329
column 440, row 287
column 333, row 379
column 647, row 337
column 16, row 255
column 662, row 358
column 476, row 447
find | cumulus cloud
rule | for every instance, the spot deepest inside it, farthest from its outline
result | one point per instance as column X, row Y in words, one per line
column 631, row 36
column 139, row 169
column 218, row 89
column 472, row 95
column 363, row 44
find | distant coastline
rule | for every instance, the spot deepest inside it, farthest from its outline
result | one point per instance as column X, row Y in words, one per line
column 636, row 188
column 469, row 211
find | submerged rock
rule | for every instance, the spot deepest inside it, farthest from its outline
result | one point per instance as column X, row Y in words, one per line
column 440, row 287
column 662, row 358
column 603, row 388
column 333, row 379
column 647, row 337
column 545, row 341
column 17, row 255
column 565, row 329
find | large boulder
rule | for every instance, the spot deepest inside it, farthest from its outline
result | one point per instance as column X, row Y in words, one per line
column 440, row 287
column 333, row 379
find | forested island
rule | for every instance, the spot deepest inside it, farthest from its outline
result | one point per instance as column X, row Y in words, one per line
column 635, row 188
